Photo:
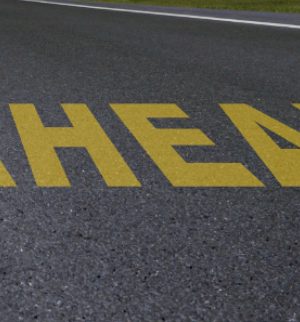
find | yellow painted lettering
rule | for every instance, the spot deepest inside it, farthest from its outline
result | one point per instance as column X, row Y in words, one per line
column 159, row 144
column 5, row 178
column 283, row 163
column 40, row 143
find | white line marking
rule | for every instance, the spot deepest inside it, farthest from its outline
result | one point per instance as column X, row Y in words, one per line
column 168, row 14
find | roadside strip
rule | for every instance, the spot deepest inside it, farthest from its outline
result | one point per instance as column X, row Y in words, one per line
column 168, row 14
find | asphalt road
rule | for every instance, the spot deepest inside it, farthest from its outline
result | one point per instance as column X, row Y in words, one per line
column 155, row 253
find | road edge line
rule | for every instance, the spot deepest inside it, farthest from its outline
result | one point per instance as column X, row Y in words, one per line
column 168, row 14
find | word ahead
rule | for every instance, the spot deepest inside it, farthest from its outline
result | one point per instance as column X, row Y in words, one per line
column 40, row 143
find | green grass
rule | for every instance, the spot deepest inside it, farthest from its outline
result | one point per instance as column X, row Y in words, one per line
column 257, row 5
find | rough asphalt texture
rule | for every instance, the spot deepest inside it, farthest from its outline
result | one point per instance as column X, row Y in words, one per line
column 91, row 253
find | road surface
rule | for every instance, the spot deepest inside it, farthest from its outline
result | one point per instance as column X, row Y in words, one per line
column 155, row 253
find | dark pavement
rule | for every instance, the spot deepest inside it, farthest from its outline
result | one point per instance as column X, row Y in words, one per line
column 155, row 253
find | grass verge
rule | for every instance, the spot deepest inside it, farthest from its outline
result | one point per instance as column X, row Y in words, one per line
column 257, row 5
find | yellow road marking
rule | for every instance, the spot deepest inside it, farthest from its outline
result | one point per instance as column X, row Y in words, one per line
column 158, row 143
column 6, row 180
column 283, row 163
column 40, row 143
column 297, row 106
